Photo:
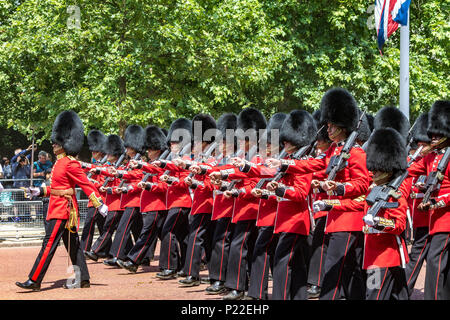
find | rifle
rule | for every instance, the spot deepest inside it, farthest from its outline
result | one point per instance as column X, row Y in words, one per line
column 136, row 157
column 116, row 165
column 250, row 154
column 101, row 162
column 337, row 163
column 435, row 178
column 379, row 196
column 182, row 152
column 148, row 174
column 204, row 156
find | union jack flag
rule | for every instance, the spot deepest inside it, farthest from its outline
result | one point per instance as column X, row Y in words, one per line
column 388, row 15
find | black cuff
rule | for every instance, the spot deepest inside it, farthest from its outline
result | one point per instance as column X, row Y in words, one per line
column 340, row 190
column 139, row 166
column 284, row 167
column 246, row 168
column 280, row 191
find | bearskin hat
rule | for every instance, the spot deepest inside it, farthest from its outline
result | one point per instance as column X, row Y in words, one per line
column 180, row 131
column 439, row 119
column 299, row 128
column 208, row 128
column 392, row 117
column 364, row 129
column 96, row 140
column 155, row 139
column 419, row 131
column 370, row 119
column 250, row 118
column 386, row 151
column 114, row 145
column 339, row 107
column 68, row 132
column 323, row 133
column 134, row 137
column 165, row 131
column 227, row 121
column 275, row 123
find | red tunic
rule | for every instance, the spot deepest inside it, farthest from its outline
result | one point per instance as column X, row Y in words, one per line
column 354, row 176
column 293, row 211
column 66, row 174
column 178, row 193
column 155, row 198
column 439, row 218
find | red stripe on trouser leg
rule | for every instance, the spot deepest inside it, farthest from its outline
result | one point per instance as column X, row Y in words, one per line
column 109, row 228
column 342, row 267
column 90, row 228
column 384, row 278
column 223, row 247
column 321, row 258
column 264, row 267
column 47, row 250
column 149, row 236
column 439, row 269
column 417, row 262
column 287, row 267
column 240, row 256
column 193, row 244
column 124, row 232
column 170, row 238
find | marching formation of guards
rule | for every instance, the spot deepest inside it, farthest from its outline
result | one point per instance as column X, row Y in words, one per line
column 323, row 208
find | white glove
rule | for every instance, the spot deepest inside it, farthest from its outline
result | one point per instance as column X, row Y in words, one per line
column 370, row 220
column 103, row 210
column 31, row 192
column 320, row 205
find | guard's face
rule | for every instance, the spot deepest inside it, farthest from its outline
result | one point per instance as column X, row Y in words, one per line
column 97, row 155
column 153, row 154
column 131, row 152
column 174, row 147
column 57, row 149
column 334, row 132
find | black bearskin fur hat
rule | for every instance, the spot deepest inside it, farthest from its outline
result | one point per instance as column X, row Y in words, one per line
column 134, row 137
column 250, row 118
column 339, row 107
column 155, row 139
column 96, row 140
column 439, row 119
column 207, row 123
column 68, row 132
column 386, row 151
column 114, row 145
column 180, row 131
column 419, row 132
column 364, row 130
column 323, row 134
column 392, row 117
column 275, row 123
column 299, row 128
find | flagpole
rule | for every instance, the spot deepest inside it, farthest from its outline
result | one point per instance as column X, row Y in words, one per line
column 404, row 68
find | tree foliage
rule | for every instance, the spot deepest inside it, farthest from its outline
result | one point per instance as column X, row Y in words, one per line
column 134, row 61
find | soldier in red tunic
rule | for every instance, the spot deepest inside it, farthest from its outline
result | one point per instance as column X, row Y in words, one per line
column 101, row 247
column 152, row 202
column 437, row 285
column 343, row 274
column 67, row 138
column 175, row 229
column 96, row 141
column 420, row 218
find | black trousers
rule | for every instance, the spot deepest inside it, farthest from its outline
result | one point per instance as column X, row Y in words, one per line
column 290, row 267
column 319, row 247
column 152, row 224
column 386, row 284
column 343, row 275
column 437, row 282
column 199, row 241
column 240, row 255
column 130, row 222
column 173, row 235
column 265, row 245
column 417, row 256
column 220, row 243
column 102, row 245
column 93, row 217
column 56, row 229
